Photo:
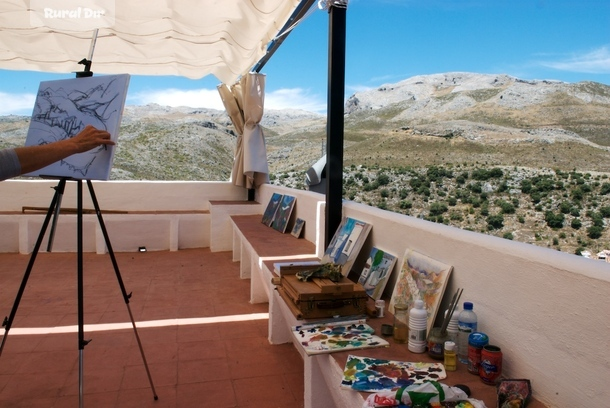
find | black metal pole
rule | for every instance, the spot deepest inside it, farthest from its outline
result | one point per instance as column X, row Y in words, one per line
column 80, row 289
column 60, row 190
column 334, row 129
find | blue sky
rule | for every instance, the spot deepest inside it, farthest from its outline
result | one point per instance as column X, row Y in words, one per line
column 392, row 40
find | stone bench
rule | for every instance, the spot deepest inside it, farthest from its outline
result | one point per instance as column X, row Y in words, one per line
column 254, row 243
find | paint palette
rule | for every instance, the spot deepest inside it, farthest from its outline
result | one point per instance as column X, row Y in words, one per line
column 368, row 374
column 340, row 336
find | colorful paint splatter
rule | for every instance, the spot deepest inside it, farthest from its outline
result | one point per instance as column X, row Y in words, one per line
column 368, row 374
column 326, row 338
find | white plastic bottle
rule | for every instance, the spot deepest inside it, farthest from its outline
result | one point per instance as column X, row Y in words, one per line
column 418, row 322
column 452, row 327
column 467, row 323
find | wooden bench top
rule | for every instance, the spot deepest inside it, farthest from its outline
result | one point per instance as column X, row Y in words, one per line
column 267, row 241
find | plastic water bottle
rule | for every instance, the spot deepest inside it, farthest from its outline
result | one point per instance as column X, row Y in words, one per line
column 467, row 323
column 418, row 323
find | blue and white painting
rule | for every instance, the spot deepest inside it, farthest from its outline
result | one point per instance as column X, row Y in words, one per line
column 346, row 244
column 65, row 107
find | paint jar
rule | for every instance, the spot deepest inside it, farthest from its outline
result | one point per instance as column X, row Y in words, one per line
column 436, row 343
column 401, row 323
column 491, row 364
column 379, row 306
column 476, row 342
column 450, row 356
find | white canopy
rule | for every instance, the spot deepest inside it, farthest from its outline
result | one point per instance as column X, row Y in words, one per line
column 190, row 38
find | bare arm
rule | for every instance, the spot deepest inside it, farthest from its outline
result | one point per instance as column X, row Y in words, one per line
column 33, row 158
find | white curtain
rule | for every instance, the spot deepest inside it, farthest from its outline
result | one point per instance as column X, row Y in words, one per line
column 244, row 103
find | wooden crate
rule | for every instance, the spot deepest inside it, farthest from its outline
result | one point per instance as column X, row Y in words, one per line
column 319, row 297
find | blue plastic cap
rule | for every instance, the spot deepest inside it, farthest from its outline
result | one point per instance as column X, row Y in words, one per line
column 478, row 339
column 467, row 305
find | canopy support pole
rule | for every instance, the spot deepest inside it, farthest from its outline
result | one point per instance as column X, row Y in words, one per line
column 334, row 128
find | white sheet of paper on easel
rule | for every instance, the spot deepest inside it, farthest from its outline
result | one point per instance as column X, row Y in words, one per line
column 65, row 107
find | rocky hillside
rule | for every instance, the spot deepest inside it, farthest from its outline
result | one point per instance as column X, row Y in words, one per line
column 458, row 124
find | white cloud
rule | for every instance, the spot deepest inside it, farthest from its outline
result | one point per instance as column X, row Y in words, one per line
column 295, row 98
column 352, row 89
column 593, row 62
column 195, row 98
column 16, row 104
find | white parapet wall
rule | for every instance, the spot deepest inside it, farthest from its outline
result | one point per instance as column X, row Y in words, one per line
column 157, row 215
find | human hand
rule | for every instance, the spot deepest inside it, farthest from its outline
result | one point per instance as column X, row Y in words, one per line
column 90, row 138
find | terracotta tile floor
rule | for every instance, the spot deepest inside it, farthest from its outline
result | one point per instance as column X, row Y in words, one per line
column 182, row 302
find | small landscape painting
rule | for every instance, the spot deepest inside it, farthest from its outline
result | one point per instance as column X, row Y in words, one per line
column 272, row 206
column 346, row 244
column 421, row 277
column 376, row 272
column 298, row 228
column 282, row 215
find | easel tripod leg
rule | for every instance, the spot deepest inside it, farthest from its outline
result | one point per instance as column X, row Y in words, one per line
column 126, row 296
column 8, row 321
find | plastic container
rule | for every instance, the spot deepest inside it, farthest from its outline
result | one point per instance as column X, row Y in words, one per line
column 452, row 328
column 450, row 356
column 467, row 323
column 476, row 342
column 418, row 323
column 401, row 323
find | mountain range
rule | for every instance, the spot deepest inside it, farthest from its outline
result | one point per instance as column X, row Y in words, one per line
column 523, row 160
column 437, row 119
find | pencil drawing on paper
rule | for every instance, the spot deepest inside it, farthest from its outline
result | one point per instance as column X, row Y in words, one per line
column 65, row 107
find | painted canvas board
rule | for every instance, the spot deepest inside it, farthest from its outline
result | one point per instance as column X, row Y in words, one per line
column 298, row 228
column 421, row 277
column 65, row 107
column 272, row 206
column 339, row 336
column 282, row 216
column 346, row 244
column 367, row 374
column 376, row 272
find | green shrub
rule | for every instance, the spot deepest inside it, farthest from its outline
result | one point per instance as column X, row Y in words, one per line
column 526, row 186
column 605, row 211
column 383, row 179
column 495, row 222
column 438, row 208
column 554, row 220
column 594, row 231
column 506, row 207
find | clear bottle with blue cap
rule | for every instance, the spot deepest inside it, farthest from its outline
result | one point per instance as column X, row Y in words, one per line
column 467, row 323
